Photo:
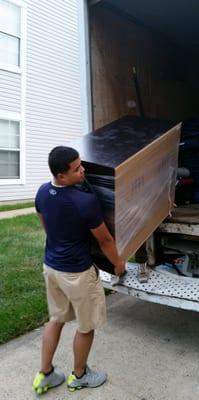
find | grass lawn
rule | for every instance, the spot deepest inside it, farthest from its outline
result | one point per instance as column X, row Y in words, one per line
column 16, row 206
column 22, row 293
column 23, row 304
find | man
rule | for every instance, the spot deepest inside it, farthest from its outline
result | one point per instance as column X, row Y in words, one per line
column 74, row 289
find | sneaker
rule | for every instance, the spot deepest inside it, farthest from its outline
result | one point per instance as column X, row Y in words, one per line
column 42, row 382
column 90, row 379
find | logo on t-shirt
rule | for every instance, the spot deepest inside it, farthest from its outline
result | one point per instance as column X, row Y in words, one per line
column 53, row 192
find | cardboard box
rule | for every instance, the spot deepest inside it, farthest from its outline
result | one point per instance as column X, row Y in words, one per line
column 131, row 166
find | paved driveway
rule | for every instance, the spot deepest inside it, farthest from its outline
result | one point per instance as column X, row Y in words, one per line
column 149, row 351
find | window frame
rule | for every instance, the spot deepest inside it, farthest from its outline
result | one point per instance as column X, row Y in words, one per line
column 9, row 67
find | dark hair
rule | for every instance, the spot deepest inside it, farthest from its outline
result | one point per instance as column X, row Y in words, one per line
column 60, row 157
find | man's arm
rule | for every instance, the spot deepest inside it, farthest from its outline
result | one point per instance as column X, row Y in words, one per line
column 108, row 247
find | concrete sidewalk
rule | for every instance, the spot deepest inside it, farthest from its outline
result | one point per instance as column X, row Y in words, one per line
column 15, row 213
column 149, row 351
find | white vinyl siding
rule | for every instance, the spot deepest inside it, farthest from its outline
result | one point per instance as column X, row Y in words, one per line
column 53, row 88
column 10, row 92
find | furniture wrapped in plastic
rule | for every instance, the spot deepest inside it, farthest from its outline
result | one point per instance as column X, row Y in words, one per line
column 131, row 165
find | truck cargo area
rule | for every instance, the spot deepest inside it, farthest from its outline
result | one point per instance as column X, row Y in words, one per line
column 144, row 61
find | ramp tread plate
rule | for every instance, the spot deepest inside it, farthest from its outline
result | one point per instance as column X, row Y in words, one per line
column 163, row 284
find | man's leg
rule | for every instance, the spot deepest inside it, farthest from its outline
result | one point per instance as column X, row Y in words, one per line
column 81, row 347
column 141, row 259
column 141, row 254
column 50, row 341
column 83, row 376
column 49, row 377
column 90, row 310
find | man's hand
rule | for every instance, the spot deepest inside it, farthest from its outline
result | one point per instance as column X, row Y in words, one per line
column 108, row 247
column 120, row 268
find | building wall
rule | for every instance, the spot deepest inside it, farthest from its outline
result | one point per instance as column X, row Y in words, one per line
column 10, row 91
column 53, row 89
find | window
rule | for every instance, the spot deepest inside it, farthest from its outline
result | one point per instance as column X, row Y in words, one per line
column 9, row 149
column 10, row 36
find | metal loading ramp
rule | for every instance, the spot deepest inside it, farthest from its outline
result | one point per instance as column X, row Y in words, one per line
column 162, row 287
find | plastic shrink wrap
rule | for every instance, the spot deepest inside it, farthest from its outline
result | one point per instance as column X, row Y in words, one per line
column 131, row 165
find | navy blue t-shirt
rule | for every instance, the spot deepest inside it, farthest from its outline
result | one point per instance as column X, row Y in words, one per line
column 69, row 213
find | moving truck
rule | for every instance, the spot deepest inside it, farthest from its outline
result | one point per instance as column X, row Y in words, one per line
column 143, row 60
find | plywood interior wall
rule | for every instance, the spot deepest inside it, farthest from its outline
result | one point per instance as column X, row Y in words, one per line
column 118, row 44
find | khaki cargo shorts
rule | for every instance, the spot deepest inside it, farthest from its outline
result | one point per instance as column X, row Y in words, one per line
column 77, row 296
